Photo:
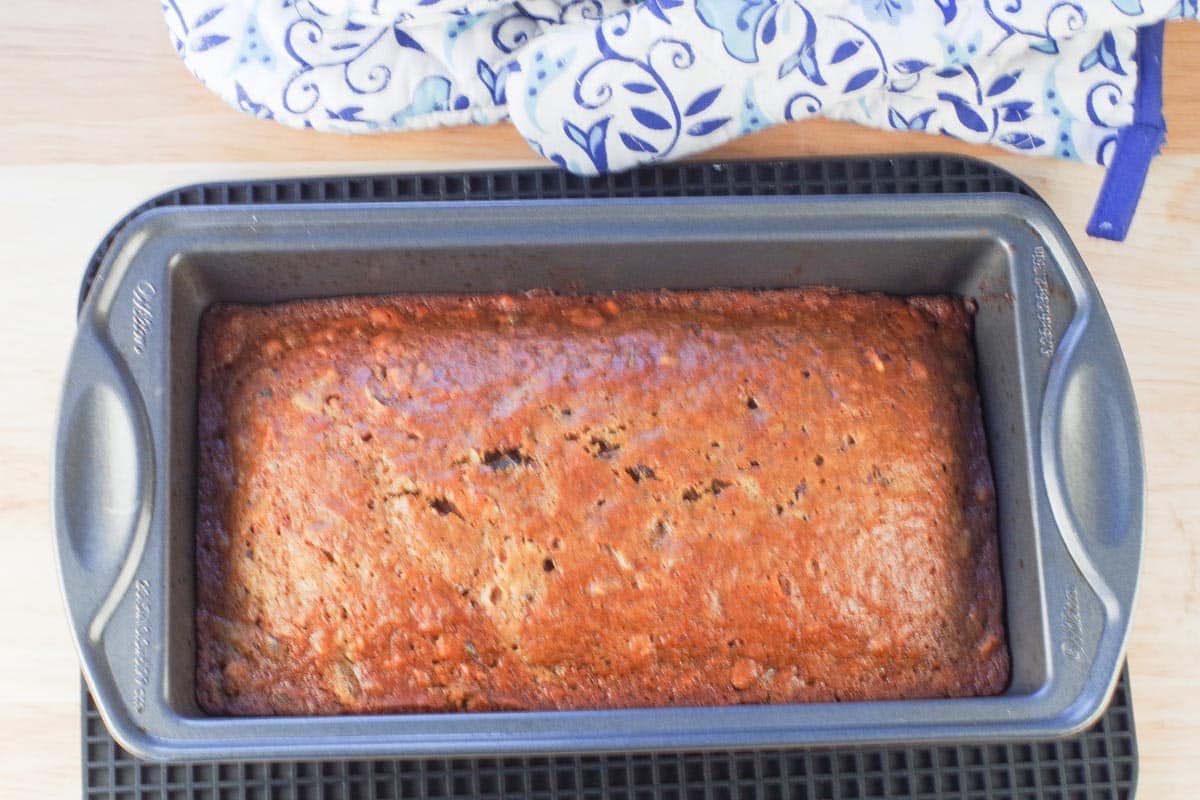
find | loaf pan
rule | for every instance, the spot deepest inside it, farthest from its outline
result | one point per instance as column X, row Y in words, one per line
column 1058, row 406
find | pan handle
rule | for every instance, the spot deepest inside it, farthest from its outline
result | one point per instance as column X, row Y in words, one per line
column 103, row 485
column 1092, row 461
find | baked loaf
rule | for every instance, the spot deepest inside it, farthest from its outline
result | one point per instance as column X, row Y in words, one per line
column 436, row 503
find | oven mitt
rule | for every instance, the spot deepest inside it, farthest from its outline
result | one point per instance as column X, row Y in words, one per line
column 606, row 85
column 367, row 65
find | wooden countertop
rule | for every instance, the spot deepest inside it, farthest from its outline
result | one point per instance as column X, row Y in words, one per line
column 79, row 146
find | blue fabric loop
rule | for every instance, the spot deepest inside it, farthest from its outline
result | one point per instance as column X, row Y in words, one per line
column 1137, row 144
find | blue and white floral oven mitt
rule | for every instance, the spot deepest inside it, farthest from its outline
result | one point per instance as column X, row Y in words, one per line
column 606, row 85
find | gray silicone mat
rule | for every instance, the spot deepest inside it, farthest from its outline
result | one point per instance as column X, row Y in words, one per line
column 1099, row 763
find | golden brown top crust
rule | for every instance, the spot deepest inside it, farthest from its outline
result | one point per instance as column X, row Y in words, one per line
column 643, row 499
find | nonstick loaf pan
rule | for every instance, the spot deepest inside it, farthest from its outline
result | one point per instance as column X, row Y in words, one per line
column 1058, row 406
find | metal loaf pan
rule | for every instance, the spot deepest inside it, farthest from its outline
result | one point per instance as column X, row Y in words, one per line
column 1059, row 410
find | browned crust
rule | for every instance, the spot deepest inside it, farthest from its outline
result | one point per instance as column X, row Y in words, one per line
column 648, row 499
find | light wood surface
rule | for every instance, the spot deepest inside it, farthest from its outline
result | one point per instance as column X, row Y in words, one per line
column 81, row 145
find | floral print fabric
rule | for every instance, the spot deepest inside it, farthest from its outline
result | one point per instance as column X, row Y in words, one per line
column 601, row 85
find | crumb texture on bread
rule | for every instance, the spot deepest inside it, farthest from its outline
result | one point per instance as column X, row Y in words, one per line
column 486, row 502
